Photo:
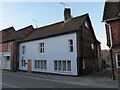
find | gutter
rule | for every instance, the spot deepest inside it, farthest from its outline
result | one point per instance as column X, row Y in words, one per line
column 111, row 53
column 110, row 33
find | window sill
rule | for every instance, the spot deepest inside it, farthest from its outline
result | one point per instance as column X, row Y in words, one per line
column 62, row 71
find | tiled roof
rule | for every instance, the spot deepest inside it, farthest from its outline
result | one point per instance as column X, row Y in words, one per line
column 23, row 32
column 56, row 29
column 111, row 10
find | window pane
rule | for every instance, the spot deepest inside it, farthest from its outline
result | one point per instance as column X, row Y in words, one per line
column 41, row 47
column 118, row 57
column 41, row 64
column 71, row 42
column 92, row 46
column 42, row 44
column 118, row 64
column 59, row 65
column 38, row 63
column 44, row 64
column 69, row 65
column 42, row 50
column 71, row 48
column 64, row 65
column 24, row 63
column 7, row 57
column 23, row 49
column 55, row 65
column 35, row 63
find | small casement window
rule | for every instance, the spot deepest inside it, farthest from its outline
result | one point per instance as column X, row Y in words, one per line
column 62, row 65
column 70, row 42
column 23, row 63
column 41, row 47
column 23, row 49
column 8, row 46
column 55, row 65
column 86, row 24
column 7, row 58
column 40, row 64
column 92, row 46
column 118, row 60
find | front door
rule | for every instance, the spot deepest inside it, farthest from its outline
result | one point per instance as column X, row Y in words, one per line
column 29, row 66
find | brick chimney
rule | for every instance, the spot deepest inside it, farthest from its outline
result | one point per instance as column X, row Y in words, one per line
column 67, row 14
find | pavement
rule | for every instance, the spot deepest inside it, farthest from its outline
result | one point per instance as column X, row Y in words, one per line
column 100, row 79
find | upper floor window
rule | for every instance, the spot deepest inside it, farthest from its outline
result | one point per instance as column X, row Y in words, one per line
column 92, row 46
column 41, row 47
column 70, row 45
column 8, row 46
column 23, row 49
column 86, row 24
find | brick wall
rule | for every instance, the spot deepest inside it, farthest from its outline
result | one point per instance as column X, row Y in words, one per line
column 85, row 37
column 89, row 54
column 115, row 32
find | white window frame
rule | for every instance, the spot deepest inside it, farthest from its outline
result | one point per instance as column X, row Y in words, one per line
column 23, row 49
column 92, row 46
column 41, row 47
column 62, row 67
column 23, row 63
column 40, row 64
column 71, row 45
column 117, row 60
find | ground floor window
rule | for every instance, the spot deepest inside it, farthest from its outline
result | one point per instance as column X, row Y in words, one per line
column 118, row 60
column 23, row 63
column 40, row 64
column 62, row 65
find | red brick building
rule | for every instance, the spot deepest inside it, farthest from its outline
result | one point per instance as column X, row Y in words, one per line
column 9, row 46
column 111, row 17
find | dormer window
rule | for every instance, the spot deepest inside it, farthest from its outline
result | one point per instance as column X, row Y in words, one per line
column 86, row 24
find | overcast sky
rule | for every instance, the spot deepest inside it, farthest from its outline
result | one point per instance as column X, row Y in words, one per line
column 21, row 14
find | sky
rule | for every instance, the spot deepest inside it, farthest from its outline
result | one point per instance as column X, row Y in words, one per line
column 21, row 14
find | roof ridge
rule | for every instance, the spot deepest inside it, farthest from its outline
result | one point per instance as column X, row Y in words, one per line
column 61, row 21
column 25, row 27
column 8, row 28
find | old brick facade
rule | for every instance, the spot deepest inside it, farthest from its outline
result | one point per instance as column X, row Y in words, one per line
column 111, row 18
column 11, row 37
column 88, row 56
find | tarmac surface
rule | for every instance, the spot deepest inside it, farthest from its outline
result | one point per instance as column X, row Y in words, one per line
column 100, row 79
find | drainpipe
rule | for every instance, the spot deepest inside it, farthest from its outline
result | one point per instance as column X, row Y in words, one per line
column 111, row 45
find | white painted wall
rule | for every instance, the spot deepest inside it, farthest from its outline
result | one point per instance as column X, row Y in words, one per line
column 56, row 48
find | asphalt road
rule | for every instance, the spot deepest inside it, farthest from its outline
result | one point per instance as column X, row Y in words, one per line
column 17, row 81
